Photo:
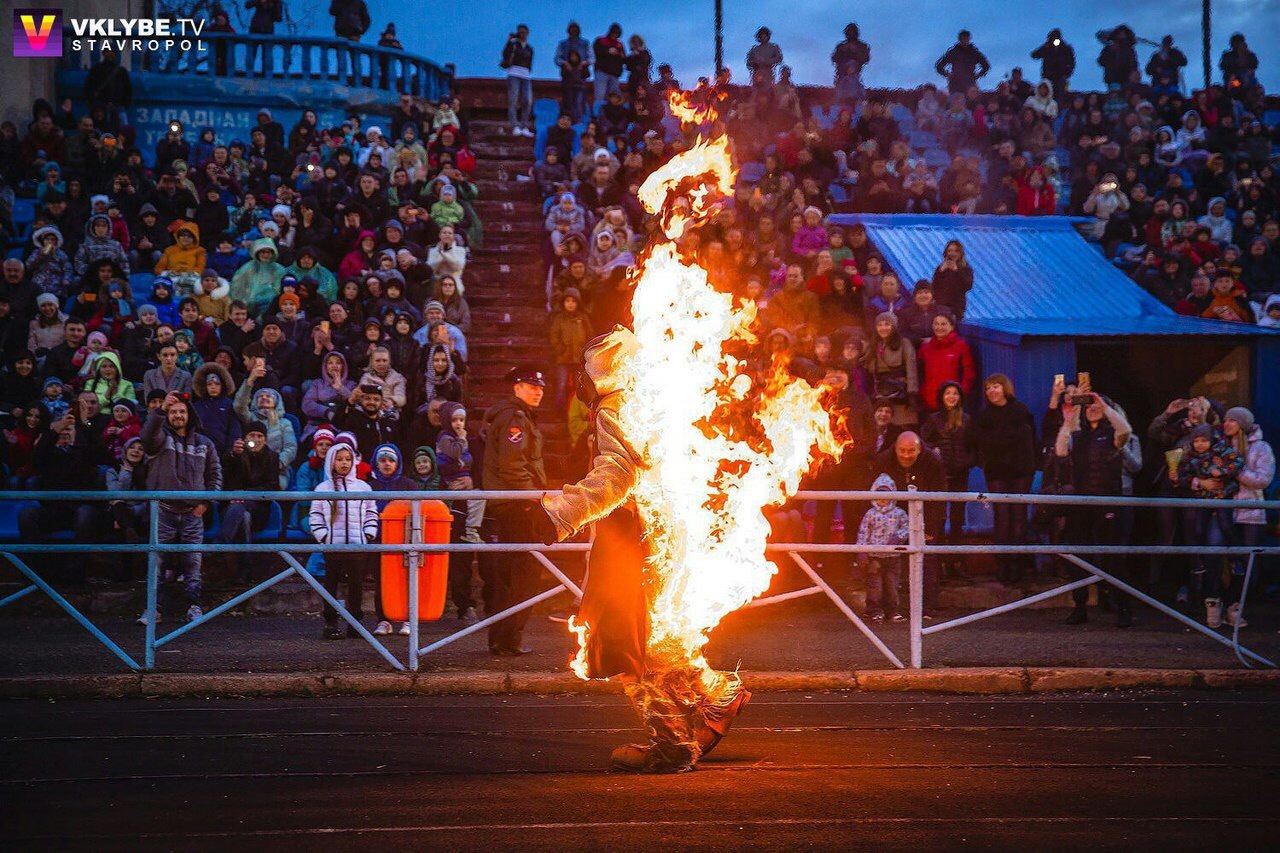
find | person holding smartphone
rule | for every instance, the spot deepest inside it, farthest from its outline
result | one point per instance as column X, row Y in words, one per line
column 250, row 466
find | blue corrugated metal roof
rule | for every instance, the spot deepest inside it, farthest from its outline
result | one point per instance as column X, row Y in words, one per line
column 1032, row 276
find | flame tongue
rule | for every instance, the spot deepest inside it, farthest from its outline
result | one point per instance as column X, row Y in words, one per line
column 719, row 446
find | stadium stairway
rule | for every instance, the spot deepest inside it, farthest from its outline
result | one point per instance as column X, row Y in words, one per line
column 504, row 286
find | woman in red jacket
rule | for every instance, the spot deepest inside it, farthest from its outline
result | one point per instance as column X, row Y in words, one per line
column 945, row 357
column 1035, row 195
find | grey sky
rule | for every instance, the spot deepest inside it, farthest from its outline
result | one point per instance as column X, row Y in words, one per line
column 906, row 36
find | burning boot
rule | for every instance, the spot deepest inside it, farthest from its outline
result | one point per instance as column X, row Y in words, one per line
column 665, row 714
column 716, row 716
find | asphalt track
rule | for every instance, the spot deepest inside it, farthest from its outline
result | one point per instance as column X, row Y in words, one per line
column 822, row 771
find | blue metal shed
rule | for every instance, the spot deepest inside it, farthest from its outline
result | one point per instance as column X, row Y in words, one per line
column 1045, row 301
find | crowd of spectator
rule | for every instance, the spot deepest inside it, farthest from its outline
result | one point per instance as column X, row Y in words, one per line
column 919, row 412
column 257, row 305
column 244, row 302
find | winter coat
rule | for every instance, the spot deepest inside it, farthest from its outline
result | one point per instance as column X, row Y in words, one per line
column 570, row 333
column 394, row 386
column 41, row 338
column 452, row 451
column 397, row 482
column 1258, row 472
column 218, row 419
column 52, row 272
column 956, row 446
column 513, row 448
column 256, row 283
column 251, row 471
column 155, row 380
column 1006, row 440
column 945, row 359
column 951, row 288
column 353, row 522
column 107, row 394
column 884, row 525
column 215, row 304
column 179, row 463
column 100, row 248
column 322, row 400
column 176, row 259
column 280, row 437
column 356, row 261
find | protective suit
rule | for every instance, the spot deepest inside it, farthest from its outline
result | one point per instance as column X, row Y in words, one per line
column 683, row 715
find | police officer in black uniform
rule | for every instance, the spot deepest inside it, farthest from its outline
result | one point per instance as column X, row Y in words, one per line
column 513, row 461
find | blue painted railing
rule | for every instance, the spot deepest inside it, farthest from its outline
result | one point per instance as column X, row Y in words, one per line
column 276, row 57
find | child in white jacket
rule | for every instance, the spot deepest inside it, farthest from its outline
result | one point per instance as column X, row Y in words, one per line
column 350, row 522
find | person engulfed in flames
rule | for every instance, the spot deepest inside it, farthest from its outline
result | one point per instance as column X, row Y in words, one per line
column 693, row 445
column 685, row 709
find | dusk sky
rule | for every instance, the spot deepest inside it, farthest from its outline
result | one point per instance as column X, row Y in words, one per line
column 906, row 36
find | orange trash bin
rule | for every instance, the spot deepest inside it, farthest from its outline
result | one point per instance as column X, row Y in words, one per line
column 433, row 574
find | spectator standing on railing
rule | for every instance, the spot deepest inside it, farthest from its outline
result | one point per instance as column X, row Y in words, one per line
column 849, row 58
column 107, row 85
column 517, row 59
column 1239, row 67
column 1057, row 63
column 181, row 459
column 963, row 64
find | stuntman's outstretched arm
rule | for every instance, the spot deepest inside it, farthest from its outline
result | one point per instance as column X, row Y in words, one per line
column 605, row 487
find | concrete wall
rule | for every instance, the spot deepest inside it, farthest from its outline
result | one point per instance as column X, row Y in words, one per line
column 26, row 79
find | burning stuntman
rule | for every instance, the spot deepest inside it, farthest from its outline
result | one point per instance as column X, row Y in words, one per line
column 685, row 709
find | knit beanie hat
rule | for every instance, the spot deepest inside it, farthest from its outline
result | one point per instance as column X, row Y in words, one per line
column 888, row 316
column 255, row 426
column 324, row 433
column 1240, row 415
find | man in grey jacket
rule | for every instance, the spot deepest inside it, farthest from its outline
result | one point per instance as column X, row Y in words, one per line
column 180, row 458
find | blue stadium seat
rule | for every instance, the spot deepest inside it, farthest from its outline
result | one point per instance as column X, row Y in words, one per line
column 296, row 424
column 936, row 158
column 901, row 114
column 838, row 193
column 922, row 139
column 141, row 283
column 751, row 173
column 9, row 511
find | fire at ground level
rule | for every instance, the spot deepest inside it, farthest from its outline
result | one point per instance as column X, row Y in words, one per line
column 827, row 771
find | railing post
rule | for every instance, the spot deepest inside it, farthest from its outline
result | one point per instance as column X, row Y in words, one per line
column 915, row 578
column 153, row 581
column 414, row 558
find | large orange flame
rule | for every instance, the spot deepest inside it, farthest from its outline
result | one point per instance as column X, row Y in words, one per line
column 719, row 445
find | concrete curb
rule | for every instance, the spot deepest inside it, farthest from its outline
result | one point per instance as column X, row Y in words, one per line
column 974, row 681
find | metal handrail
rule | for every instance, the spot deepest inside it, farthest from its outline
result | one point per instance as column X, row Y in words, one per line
column 916, row 550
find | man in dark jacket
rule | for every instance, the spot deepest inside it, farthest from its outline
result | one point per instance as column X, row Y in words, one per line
column 107, row 84
column 59, row 361
column 363, row 416
column 181, row 459
column 1057, row 63
column 911, row 464
column 963, row 65
column 66, row 462
column 1165, row 67
column 249, row 466
column 350, row 18
column 513, row 460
